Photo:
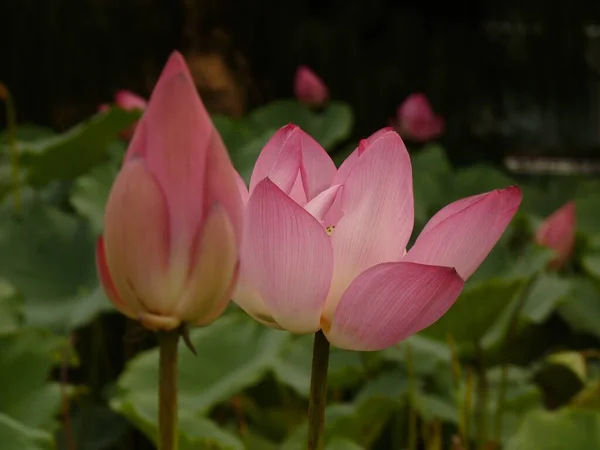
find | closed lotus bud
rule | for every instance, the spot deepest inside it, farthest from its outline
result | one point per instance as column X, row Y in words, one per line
column 309, row 88
column 417, row 121
column 558, row 233
column 169, row 253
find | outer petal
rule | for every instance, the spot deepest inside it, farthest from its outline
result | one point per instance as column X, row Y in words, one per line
column 558, row 233
column 248, row 298
column 136, row 240
column 390, row 302
column 463, row 233
column 214, row 266
column 279, row 160
column 132, row 309
column 287, row 257
column 377, row 203
column 242, row 189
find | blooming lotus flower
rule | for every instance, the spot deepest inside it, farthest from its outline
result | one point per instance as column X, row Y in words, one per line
column 309, row 88
column 173, row 223
column 558, row 233
column 326, row 248
column 416, row 120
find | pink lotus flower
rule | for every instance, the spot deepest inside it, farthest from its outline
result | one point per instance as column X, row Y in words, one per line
column 174, row 214
column 416, row 120
column 309, row 88
column 326, row 248
column 129, row 101
column 558, row 233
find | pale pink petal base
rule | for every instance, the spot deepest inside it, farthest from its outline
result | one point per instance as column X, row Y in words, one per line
column 212, row 270
column 390, row 302
column 463, row 233
column 288, row 256
column 136, row 239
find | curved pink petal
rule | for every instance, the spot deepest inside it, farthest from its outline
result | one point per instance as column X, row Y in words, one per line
column 318, row 170
column 242, row 189
column 247, row 297
column 288, row 258
column 136, row 240
column 279, row 159
column 130, row 308
column 558, row 233
column 213, row 268
column 390, row 302
column 309, row 88
column 463, row 233
column 377, row 204
column 174, row 137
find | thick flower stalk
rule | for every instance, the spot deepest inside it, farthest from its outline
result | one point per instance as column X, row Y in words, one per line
column 416, row 120
column 325, row 249
column 557, row 232
column 309, row 88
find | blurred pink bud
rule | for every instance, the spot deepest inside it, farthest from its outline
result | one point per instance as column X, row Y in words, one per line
column 128, row 100
column 558, row 233
column 169, row 253
column 416, row 120
column 325, row 248
column 309, row 88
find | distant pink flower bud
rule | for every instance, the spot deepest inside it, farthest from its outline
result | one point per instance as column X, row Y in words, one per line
column 416, row 120
column 128, row 100
column 558, row 233
column 309, row 88
column 173, row 222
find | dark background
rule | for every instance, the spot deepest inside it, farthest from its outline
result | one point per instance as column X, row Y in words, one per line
column 509, row 76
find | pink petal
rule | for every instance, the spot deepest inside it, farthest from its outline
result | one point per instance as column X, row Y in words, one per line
column 290, row 153
column 390, row 302
column 417, row 120
column 174, row 137
column 136, row 240
column 558, row 233
column 130, row 310
column 279, row 160
column 377, row 204
column 309, row 88
column 463, row 233
column 247, row 297
column 242, row 189
column 288, row 258
column 213, row 269
column 319, row 206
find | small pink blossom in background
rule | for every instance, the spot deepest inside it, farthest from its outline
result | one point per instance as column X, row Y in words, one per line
column 325, row 248
column 415, row 119
column 558, row 233
column 128, row 101
column 309, row 88
column 169, row 253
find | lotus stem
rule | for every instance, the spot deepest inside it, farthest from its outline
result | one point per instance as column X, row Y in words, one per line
column 167, row 391
column 318, row 392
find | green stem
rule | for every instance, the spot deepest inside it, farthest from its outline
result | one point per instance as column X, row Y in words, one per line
column 412, row 412
column 482, row 399
column 11, row 126
column 167, row 390
column 318, row 392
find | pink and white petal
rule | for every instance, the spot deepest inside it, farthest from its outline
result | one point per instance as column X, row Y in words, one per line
column 221, row 305
column 319, row 206
column 242, row 189
column 390, row 302
column 463, row 233
column 297, row 192
column 213, row 267
column 136, row 239
column 318, row 169
column 126, row 305
column 287, row 257
column 279, row 159
column 247, row 298
column 378, row 211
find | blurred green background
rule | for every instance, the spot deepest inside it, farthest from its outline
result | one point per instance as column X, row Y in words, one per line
column 513, row 365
